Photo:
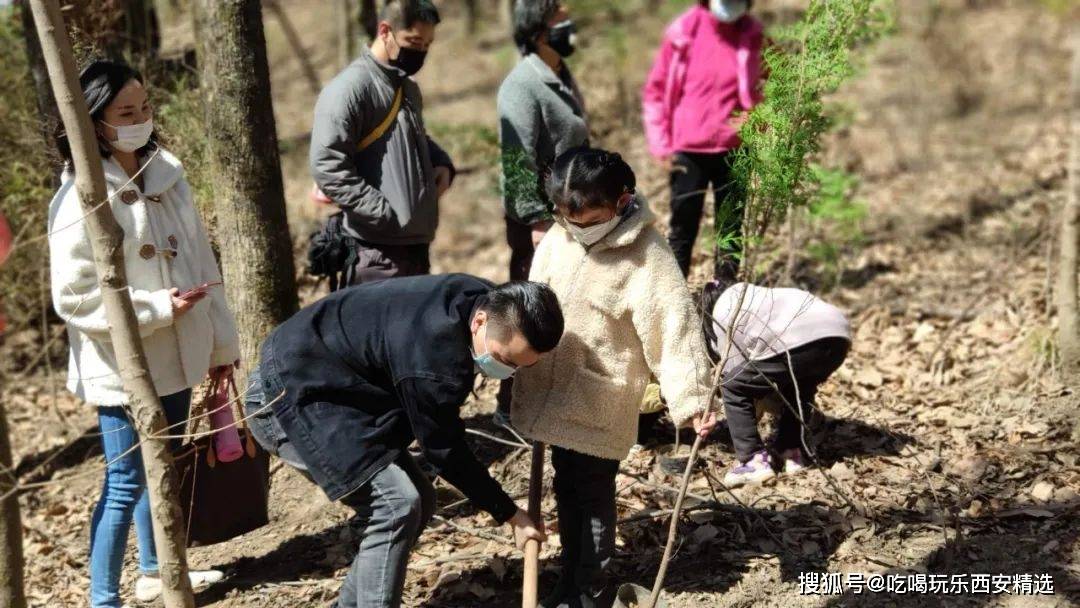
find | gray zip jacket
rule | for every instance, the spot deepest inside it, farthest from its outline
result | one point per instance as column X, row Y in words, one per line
column 387, row 190
column 540, row 117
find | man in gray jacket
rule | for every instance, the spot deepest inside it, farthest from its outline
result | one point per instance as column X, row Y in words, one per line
column 371, row 155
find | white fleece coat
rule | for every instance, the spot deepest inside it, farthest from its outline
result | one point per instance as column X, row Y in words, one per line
column 628, row 313
column 157, row 220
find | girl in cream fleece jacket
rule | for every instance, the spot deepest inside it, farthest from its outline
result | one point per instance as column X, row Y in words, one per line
column 628, row 314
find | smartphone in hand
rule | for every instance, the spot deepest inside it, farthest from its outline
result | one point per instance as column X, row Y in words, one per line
column 196, row 293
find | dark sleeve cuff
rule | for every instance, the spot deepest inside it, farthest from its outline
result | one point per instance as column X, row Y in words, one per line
column 503, row 509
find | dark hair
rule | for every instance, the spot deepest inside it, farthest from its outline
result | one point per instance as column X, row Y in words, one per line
column 101, row 82
column 710, row 293
column 530, row 308
column 402, row 14
column 530, row 20
column 588, row 177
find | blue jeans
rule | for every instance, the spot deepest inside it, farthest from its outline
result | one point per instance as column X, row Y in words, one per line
column 123, row 499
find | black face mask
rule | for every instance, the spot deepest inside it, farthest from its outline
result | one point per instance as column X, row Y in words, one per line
column 408, row 60
column 561, row 37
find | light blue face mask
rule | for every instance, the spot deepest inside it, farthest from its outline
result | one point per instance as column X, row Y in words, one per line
column 489, row 365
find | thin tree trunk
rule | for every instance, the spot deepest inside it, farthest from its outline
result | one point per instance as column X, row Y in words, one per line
column 106, row 238
column 508, row 13
column 252, row 229
column 297, row 46
column 347, row 32
column 11, row 549
column 1068, row 323
column 369, row 18
column 472, row 13
column 40, row 75
column 143, row 31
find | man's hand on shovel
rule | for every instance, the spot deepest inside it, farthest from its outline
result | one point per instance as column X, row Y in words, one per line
column 525, row 529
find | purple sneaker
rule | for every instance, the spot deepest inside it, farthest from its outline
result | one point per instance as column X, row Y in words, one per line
column 756, row 470
column 793, row 460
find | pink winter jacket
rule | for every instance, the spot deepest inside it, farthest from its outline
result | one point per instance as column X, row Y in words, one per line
column 705, row 70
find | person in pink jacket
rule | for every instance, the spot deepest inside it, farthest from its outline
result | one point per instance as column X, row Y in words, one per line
column 706, row 74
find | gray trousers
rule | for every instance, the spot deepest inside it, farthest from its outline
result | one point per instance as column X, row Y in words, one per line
column 391, row 511
column 377, row 262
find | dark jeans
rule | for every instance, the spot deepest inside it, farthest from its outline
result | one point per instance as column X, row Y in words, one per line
column 377, row 262
column 810, row 364
column 691, row 177
column 519, row 238
column 392, row 509
column 585, row 498
column 264, row 427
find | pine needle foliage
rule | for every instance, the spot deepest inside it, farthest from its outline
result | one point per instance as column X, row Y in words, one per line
column 806, row 61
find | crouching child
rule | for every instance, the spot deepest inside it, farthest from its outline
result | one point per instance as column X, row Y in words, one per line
column 785, row 343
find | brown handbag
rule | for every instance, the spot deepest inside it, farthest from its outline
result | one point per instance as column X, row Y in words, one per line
column 221, row 500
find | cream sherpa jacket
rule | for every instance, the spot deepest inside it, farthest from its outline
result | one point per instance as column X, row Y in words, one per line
column 628, row 311
column 165, row 246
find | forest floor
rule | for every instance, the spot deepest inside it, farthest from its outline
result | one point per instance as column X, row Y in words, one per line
column 951, row 446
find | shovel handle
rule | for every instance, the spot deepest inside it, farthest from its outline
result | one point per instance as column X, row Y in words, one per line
column 529, row 590
column 529, row 593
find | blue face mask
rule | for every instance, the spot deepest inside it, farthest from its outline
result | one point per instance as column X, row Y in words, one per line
column 489, row 365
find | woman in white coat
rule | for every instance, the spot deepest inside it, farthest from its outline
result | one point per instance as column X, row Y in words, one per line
column 185, row 335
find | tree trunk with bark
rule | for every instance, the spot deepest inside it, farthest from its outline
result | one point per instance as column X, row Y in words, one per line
column 296, row 44
column 472, row 13
column 11, row 549
column 369, row 18
column 106, row 238
column 1069, row 264
column 143, row 31
column 39, row 74
column 347, row 32
column 252, row 229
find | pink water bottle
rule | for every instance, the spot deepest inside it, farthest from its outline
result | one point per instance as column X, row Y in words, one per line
column 227, row 445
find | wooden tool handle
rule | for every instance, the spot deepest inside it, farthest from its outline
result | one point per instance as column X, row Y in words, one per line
column 529, row 591
column 530, row 583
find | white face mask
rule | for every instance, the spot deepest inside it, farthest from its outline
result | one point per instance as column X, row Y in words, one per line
column 590, row 235
column 130, row 138
column 728, row 11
